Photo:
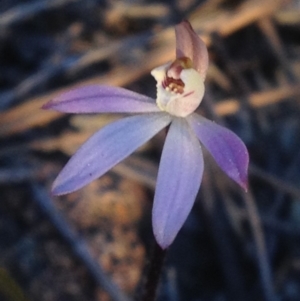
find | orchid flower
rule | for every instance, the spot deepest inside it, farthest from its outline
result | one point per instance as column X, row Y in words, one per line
column 180, row 89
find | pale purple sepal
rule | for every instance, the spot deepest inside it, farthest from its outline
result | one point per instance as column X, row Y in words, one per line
column 227, row 148
column 189, row 44
column 106, row 148
column 179, row 177
column 102, row 99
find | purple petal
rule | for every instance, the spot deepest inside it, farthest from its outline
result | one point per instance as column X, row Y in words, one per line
column 179, row 178
column 102, row 99
column 227, row 148
column 189, row 44
column 106, row 148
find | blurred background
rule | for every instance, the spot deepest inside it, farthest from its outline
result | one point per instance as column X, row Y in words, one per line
column 94, row 244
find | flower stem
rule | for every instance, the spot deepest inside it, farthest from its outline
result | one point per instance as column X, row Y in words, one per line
column 154, row 273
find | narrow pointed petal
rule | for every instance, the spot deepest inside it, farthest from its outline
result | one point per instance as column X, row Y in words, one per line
column 189, row 44
column 106, row 148
column 228, row 150
column 179, row 178
column 102, row 99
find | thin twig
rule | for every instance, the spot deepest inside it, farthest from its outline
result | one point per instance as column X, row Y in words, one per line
column 277, row 183
column 30, row 115
column 262, row 257
column 268, row 29
column 218, row 225
column 25, row 11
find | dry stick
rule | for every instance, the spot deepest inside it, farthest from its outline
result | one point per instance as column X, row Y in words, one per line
column 289, row 16
column 263, row 262
column 231, row 66
column 30, row 84
column 208, row 20
column 145, row 171
column 275, row 181
column 285, row 228
column 262, row 257
column 235, row 20
column 251, row 209
column 227, row 254
column 292, row 169
column 258, row 234
column 110, row 51
column 216, row 75
column 17, row 175
column 248, row 12
column 25, row 11
column 138, row 169
column 78, row 245
column 42, row 76
column 52, row 66
column 30, row 115
column 241, row 86
column 259, row 99
column 135, row 10
column 279, row 202
column 268, row 29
